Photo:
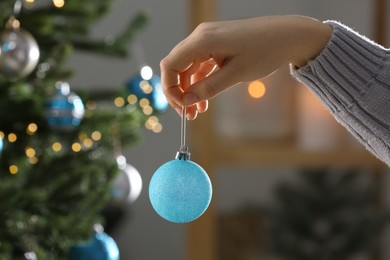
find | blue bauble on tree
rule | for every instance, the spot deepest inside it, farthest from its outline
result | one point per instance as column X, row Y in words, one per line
column 148, row 85
column 100, row 247
column 64, row 110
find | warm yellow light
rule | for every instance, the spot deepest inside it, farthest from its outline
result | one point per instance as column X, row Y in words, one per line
column 56, row 146
column 91, row 105
column 30, row 152
column 256, row 89
column 151, row 122
column 31, row 128
column 33, row 160
column 82, row 136
column 148, row 110
column 29, row 1
column 119, row 102
column 157, row 128
column 144, row 102
column 2, row 134
column 148, row 125
column 96, row 136
column 76, row 147
column 13, row 169
column 132, row 99
column 12, row 137
column 153, row 119
column 87, row 142
column 58, row 3
column 146, row 87
column 15, row 24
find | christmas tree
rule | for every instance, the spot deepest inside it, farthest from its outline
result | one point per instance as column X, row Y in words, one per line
column 58, row 148
column 329, row 214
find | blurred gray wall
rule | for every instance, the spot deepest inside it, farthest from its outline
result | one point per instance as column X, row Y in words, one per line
column 145, row 236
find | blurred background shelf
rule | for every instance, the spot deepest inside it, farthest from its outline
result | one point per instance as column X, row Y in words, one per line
column 212, row 145
column 288, row 154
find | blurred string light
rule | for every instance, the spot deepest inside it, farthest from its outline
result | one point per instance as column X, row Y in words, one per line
column 82, row 136
column 13, row 169
column 146, row 87
column 33, row 160
column 2, row 134
column 88, row 143
column 12, row 137
column 119, row 101
column 56, row 146
column 91, row 105
column 146, row 72
column 256, row 89
column 30, row 152
column 144, row 102
column 76, row 147
column 153, row 124
column 148, row 110
column 31, row 129
column 58, row 3
column 29, row 4
column 96, row 135
column 132, row 99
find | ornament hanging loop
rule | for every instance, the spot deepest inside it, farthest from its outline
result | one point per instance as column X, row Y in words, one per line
column 183, row 153
column 17, row 8
column 13, row 23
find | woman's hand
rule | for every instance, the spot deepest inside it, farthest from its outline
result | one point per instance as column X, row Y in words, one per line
column 218, row 55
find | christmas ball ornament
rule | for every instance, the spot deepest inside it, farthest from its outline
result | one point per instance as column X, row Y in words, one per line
column 148, row 86
column 127, row 186
column 64, row 110
column 180, row 190
column 100, row 247
column 19, row 51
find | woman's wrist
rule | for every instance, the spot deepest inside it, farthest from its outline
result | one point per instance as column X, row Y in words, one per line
column 309, row 38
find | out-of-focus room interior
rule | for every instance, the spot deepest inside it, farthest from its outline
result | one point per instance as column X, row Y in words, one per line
column 289, row 182
column 265, row 151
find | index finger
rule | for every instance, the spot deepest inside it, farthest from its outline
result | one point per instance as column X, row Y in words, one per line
column 183, row 57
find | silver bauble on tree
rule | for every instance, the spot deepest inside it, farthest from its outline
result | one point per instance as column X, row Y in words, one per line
column 19, row 51
column 127, row 186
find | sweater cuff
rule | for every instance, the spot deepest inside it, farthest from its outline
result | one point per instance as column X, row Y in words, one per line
column 350, row 76
column 349, row 60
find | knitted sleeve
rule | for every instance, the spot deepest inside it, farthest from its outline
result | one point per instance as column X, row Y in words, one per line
column 351, row 77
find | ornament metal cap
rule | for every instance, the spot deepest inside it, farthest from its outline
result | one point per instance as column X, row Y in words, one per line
column 183, row 153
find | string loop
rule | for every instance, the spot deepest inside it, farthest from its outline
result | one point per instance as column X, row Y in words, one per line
column 183, row 151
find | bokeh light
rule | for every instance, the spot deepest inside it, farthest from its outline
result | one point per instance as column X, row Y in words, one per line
column 146, row 72
column 256, row 89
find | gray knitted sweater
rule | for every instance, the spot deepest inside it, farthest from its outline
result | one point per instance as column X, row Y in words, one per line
column 351, row 77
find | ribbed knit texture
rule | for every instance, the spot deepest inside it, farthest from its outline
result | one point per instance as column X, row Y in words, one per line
column 351, row 77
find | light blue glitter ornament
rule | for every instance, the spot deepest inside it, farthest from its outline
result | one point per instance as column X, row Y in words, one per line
column 64, row 110
column 148, row 86
column 100, row 247
column 180, row 190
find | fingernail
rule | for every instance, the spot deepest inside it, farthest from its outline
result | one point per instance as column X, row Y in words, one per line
column 189, row 99
column 191, row 117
